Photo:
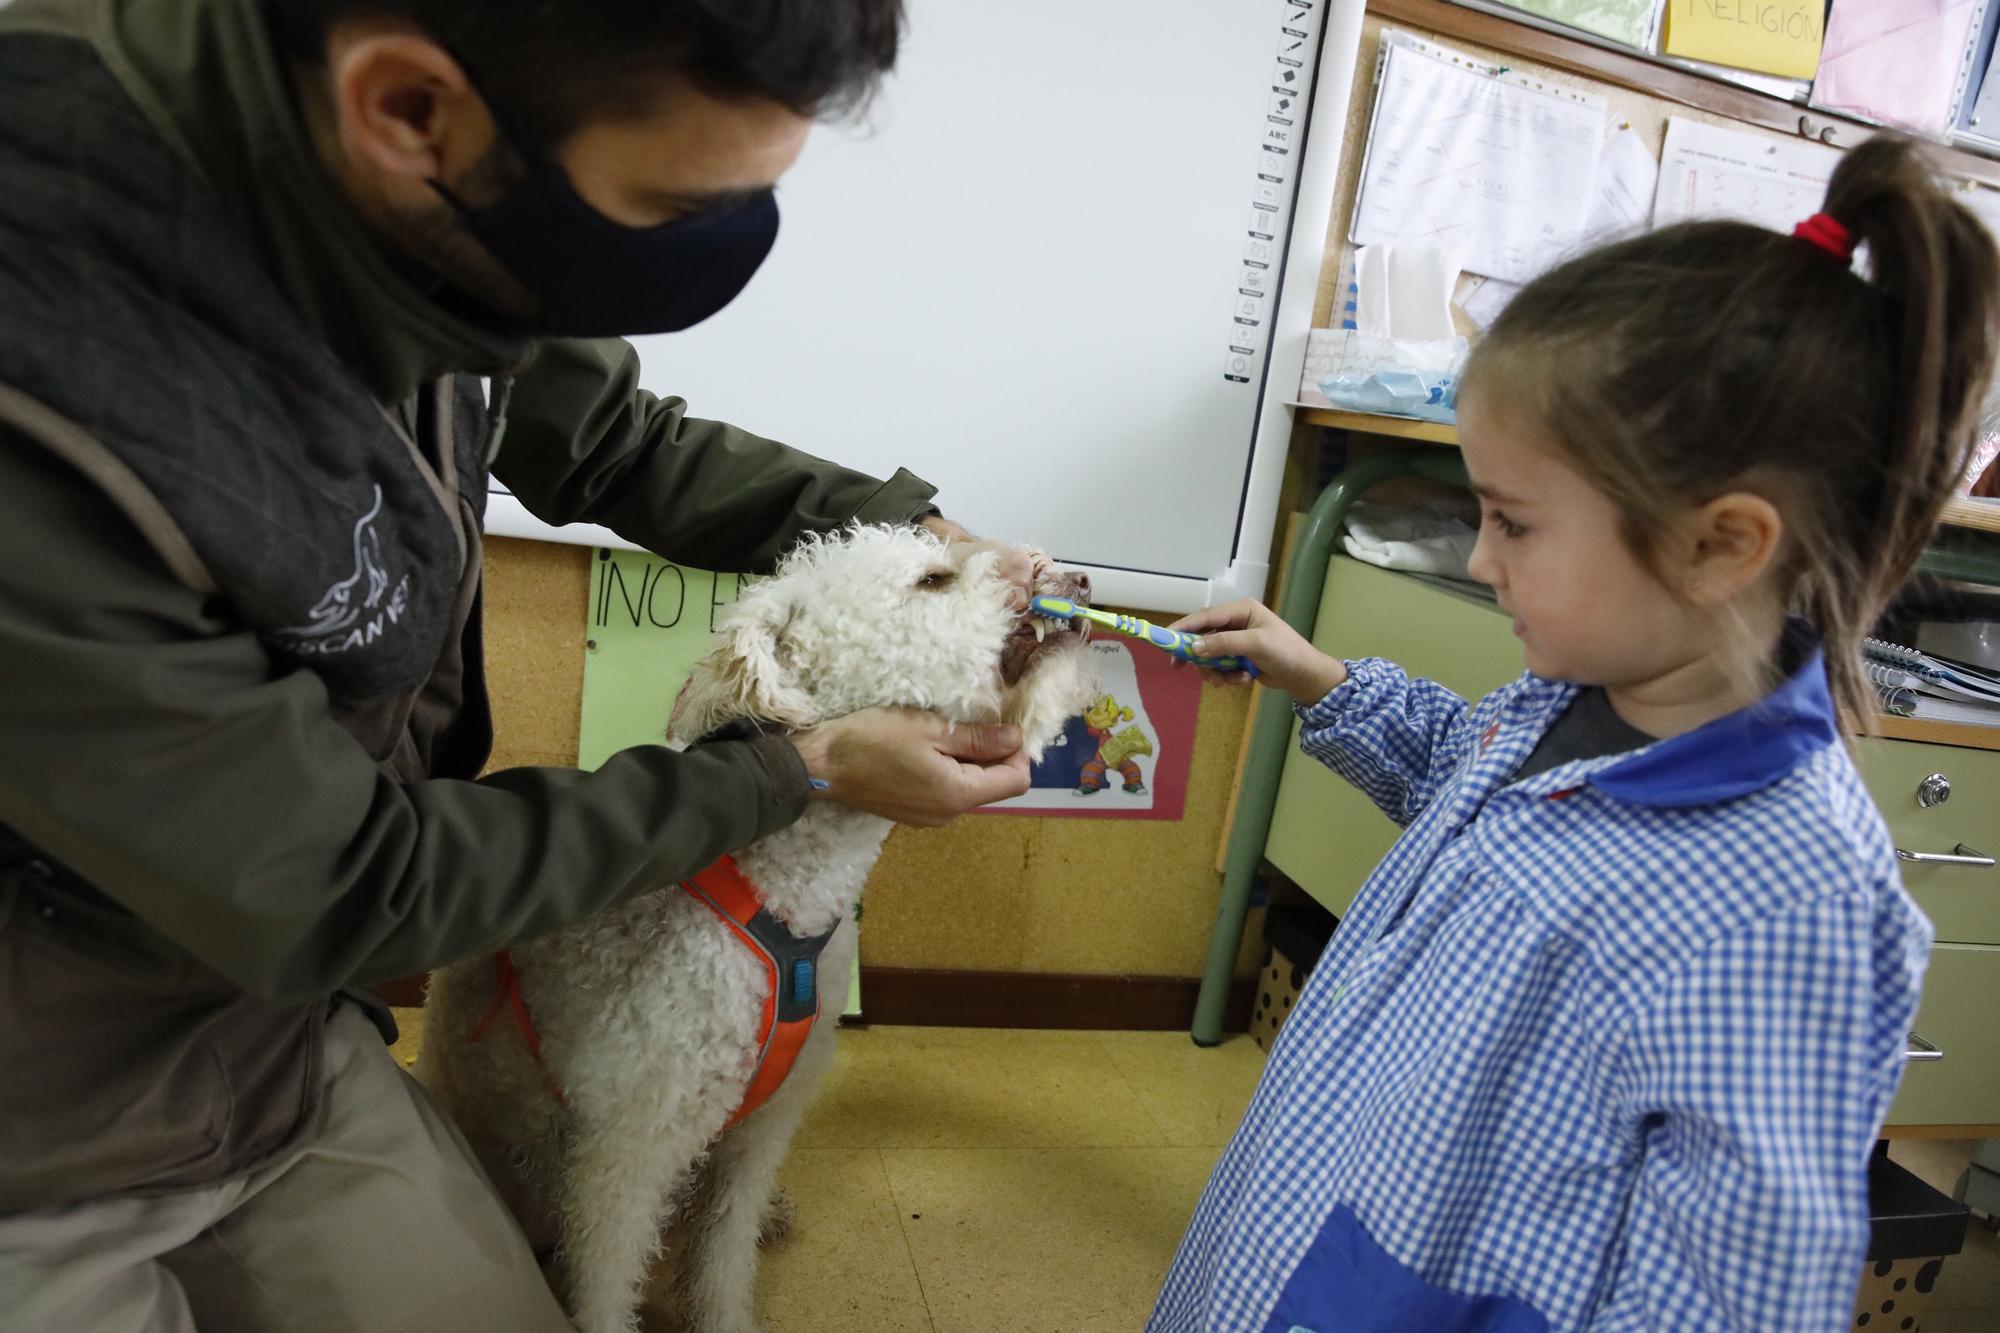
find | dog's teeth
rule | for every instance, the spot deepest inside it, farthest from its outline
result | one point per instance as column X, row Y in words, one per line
column 1041, row 630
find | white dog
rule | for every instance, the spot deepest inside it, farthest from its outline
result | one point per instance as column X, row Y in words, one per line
column 651, row 1017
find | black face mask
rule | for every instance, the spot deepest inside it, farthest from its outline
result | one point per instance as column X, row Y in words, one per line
column 594, row 277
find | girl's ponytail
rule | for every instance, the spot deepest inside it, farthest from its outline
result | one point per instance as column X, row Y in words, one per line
column 1712, row 356
column 1937, row 278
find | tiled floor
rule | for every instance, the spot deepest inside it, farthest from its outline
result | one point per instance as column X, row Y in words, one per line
column 958, row 1179
column 1013, row 1180
column 955, row 1179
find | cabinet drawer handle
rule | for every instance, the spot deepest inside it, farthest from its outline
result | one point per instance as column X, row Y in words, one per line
column 1962, row 856
column 1921, row 1049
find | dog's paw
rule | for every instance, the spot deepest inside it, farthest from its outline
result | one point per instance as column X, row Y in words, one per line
column 780, row 1215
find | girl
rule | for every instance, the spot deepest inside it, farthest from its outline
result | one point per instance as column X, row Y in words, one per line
column 1605, row 1039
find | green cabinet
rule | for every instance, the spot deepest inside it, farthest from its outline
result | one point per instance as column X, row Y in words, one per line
column 1957, row 1017
column 1962, row 901
column 1326, row 836
column 1962, row 984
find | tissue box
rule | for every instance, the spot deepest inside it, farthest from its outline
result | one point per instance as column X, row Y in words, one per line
column 1373, row 364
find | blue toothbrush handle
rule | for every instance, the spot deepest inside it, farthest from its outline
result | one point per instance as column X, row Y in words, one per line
column 1180, row 643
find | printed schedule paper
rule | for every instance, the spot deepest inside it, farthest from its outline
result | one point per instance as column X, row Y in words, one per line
column 1501, row 168
column 1708, row 172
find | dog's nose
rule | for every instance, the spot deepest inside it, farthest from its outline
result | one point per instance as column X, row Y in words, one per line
column 1076, row 586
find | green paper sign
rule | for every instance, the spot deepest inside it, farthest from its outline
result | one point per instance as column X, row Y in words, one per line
column 1627, row 21
column 650, row 622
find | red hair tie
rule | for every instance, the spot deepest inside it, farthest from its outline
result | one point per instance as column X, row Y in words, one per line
column 1829, row 234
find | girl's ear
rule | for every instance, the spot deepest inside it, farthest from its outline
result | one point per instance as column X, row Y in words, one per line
column 1727, row 545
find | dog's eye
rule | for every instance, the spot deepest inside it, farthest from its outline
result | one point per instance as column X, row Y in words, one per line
column 937, row 578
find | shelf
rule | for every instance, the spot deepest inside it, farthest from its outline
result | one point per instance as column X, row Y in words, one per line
column 1983, row 514
column 1958, row 511
column 1373, row 423
column 1937, row 733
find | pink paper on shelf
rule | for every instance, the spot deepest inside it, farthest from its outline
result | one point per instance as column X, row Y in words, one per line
column 1894, row 60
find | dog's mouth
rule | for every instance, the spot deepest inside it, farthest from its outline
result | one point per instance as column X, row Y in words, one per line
column 1033, row 635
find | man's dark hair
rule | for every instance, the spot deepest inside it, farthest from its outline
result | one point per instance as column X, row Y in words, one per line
column 548, row 67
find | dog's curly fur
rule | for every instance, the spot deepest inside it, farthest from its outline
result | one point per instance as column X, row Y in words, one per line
column 648, row 1014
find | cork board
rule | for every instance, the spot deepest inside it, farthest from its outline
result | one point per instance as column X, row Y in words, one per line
column 537, row 603
column 989, row 893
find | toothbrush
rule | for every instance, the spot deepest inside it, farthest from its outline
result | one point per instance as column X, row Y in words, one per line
column 1178, row 642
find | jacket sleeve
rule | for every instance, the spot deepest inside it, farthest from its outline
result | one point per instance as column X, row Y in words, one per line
column 156, row 749
column 1753, row 1085
column 584, row 443
column 1395, row 737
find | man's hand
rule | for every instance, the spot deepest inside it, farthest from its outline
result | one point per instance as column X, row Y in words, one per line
column 1284, row 659
column 1015, row 566
column 911, row 766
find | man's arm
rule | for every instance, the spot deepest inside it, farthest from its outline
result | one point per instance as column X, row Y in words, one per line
column 584, row 443
column 157, row 749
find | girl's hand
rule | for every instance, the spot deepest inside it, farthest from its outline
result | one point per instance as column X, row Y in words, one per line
column 1251, row 629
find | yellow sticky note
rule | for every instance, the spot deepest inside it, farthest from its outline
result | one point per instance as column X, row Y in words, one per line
column 1774, row 36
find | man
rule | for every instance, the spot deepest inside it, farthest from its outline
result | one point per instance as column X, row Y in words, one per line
column 252, row 254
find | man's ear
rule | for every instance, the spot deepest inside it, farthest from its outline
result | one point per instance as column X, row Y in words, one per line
column 1727, row 544
column 404, row 109
column 742, row 676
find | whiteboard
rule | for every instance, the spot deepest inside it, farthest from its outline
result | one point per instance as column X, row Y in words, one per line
column 1063, row 269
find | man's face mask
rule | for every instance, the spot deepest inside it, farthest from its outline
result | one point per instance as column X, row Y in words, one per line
column 594, row 277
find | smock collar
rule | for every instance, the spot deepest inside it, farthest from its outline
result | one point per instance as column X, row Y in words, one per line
column 1739, row 753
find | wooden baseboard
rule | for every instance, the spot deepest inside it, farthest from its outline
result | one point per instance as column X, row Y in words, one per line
column 937, row 997
column 404, row 992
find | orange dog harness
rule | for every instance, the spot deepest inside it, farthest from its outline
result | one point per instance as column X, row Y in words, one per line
column 791, row 991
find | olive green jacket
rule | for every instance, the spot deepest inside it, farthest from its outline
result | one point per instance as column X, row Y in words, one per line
column 179, row 797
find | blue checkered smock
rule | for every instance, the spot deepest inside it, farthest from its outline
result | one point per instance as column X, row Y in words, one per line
column 1605, row 1048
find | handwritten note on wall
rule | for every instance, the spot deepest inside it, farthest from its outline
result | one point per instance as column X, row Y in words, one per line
column 650, row 621
column 1775, row 36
